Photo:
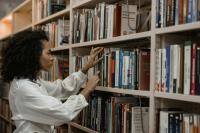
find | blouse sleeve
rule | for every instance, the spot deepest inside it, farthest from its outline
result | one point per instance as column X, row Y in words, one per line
column 62, row 89
column 37, row 107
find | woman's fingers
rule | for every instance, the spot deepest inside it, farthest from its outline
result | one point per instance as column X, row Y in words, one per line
column 98, row 72
column 99, row 51
column 98, row 60
column 96, row 49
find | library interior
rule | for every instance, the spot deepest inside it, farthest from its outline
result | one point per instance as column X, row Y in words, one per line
column 119, row 66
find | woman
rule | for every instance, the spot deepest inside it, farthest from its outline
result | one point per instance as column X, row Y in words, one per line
column 35, row 103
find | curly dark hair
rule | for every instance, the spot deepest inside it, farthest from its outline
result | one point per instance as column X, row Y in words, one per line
column 20, row 59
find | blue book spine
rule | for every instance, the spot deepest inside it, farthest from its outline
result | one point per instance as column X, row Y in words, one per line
column 168, row 69
column 194, row 10
column 176, row 12
column 189, row 16
column 120, row 67
column 158, row 13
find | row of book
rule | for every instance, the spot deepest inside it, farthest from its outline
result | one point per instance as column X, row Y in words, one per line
column 48, row 7
column 5, row 109
column 177, row 68
column 174, row 12
column 59, row 70
column 179, row 122
column 121, row 68
column 5, row 113
column 115, row 114
column 5, row 127
column 104, row 21
column 62, row 129
column 57, row 32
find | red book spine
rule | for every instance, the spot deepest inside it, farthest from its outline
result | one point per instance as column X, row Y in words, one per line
column 193, row 75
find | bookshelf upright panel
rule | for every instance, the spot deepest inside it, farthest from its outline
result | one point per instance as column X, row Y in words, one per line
column 22, row 16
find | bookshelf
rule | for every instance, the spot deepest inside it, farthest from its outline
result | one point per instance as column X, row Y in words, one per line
column 81, row 128
column 6, row 27
column 110, row 41
column 80, row 3
column 25, row 17
column 178, row 28
column 124, row 91
column 180, row 97
column 6, row 123
column 53, row 17
column 22, row 16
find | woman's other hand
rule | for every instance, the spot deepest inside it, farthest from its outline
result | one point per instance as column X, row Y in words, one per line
column 90, row 86
column 95, row 57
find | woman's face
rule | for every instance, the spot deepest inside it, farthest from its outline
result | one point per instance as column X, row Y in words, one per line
column 46, row 59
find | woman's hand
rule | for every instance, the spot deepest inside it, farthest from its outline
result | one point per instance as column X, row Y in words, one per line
column 92, row 83
column 93, row 58
column 90, row 86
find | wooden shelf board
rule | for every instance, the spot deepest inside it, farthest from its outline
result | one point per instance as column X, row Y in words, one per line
column 5, row 37
column 25, row 6
column 124, row 91
column 178, row 28
column 23, row 29
column 114, row 39
column 1, row 116
column 89, row 3
column 12, row 123
column 73, row 124
column 52, row 17
column 66, row 47
column 180, row 97
column 81, row 3
column 5, row 98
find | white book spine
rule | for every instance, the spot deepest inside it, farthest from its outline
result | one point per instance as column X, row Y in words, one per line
column 163, row 128
column 158, row 70
column 187, row 68
column 126, row 62
column 163, row 81
column 117, row 68
column 175, row 67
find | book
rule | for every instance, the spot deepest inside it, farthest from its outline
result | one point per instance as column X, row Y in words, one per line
column 128, row 19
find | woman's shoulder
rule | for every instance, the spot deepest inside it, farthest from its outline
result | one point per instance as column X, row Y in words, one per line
column 21, row 81
column 22, row 85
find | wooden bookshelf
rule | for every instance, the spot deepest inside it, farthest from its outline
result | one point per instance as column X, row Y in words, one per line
column 25, row 6
column 52, row 17
column 178, row 28
column 180, row 97
column 5, row 98
column 82, row 128
column 110, row 41
column 22, row 16
column 5, row 37
column 124, row 91
column 5, row 119
column 28, row 27
column 65, row 47
column 23, row 19
column 5, row 116
column 6, row 27
column 80, row 3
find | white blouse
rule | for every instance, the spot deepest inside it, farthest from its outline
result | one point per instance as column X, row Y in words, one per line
column 36, row 106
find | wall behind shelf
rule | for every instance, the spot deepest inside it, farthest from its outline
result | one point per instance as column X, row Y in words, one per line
column 7, row 5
